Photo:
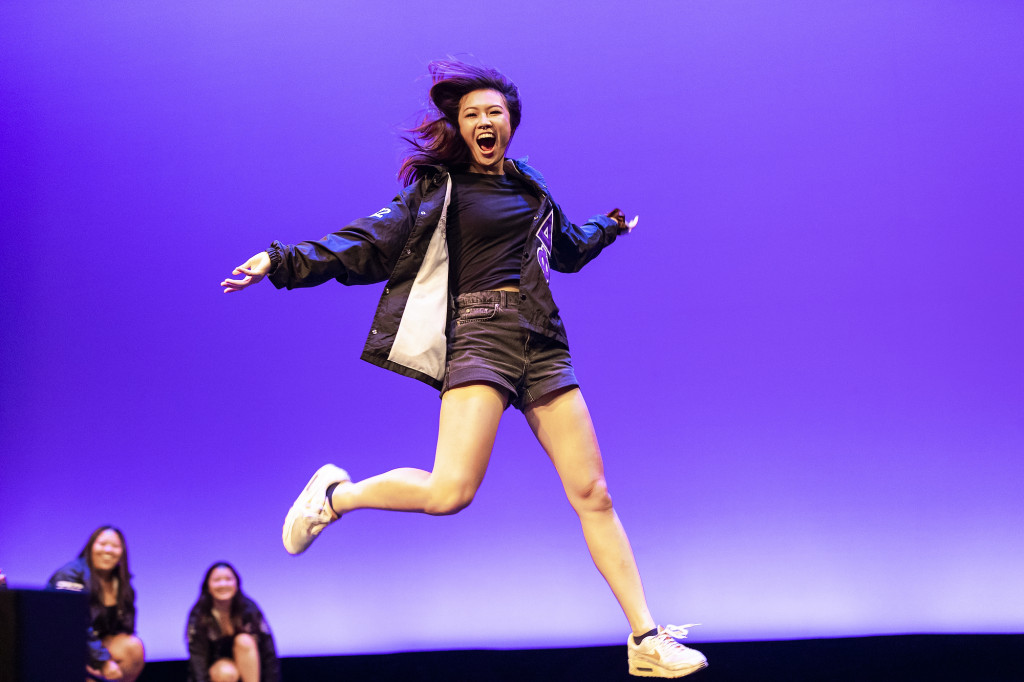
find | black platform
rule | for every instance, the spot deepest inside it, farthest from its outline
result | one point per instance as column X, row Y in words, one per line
column 902, row 658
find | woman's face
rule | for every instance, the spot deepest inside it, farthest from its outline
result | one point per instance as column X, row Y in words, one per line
column 106, row 551
column 486, row 130
column 222, row 584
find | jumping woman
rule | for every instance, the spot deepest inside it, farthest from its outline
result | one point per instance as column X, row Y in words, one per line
column 466, row 251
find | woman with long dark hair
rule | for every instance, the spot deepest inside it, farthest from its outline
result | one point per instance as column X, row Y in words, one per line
column 101, row 571
column 228, row 637
column 466, row 250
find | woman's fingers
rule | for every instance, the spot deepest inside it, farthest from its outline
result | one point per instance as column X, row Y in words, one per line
column 235, row 284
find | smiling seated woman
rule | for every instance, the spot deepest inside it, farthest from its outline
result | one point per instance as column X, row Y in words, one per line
column 101, row 571
column 228, row 637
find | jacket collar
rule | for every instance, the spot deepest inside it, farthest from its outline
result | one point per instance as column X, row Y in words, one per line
column 524, row 170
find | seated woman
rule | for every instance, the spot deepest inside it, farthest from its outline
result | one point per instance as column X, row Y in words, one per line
column 101, row 570
column 228, row 637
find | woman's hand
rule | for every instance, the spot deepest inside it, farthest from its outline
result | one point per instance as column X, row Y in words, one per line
column 620, row 218
column 254, row 269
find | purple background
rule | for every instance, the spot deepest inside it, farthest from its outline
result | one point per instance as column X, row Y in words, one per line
column 805, row 367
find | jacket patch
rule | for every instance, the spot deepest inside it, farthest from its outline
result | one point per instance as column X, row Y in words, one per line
column 544, row 250
column 68, row 585
column 381, row 213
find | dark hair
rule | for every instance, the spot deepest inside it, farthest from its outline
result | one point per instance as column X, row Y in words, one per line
column 120, row 571
column 437, row 140
column 205, row 601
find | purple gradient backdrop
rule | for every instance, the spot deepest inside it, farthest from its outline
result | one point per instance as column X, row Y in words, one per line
column 805, row 367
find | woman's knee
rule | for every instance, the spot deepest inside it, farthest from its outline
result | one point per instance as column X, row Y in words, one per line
column 591, row 496
column 446, row 499
column 126, row 648
column 136, row 651
column 224, row 670
column 244, row 644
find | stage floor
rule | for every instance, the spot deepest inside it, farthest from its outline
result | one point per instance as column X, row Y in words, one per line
column 898, row 658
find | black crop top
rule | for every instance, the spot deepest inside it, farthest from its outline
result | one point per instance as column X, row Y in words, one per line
column 487, row 230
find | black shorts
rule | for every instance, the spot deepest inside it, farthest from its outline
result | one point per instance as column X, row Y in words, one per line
column 223, row 647
column 486, row 343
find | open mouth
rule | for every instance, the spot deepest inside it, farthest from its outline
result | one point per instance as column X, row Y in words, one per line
column 487, row 142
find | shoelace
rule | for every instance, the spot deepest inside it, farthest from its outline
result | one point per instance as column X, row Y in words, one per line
column 320, row 517
column 678, row 631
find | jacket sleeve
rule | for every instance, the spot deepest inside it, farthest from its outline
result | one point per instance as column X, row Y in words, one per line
column 71, row 578
column 363, row 252
column 573, row 246
column 198, row 649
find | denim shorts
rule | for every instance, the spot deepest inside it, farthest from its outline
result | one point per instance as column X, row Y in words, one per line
column 487, row 344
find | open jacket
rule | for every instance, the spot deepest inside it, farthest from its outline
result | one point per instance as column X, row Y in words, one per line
column 74, row 577
column 405, row 245
column 200, row 642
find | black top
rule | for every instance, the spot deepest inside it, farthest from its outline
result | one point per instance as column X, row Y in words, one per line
column 488, row 226
column 109, row 622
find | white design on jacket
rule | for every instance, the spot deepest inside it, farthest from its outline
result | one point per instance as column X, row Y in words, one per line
column 421, row 342
column 381, row 213
column 544, row 250
column 69, row 586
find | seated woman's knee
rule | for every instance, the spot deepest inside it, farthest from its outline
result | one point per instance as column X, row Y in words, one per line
column 134, row 649
column 244, row 643
column 592, row 496
column 126, row 648
column 224, row 670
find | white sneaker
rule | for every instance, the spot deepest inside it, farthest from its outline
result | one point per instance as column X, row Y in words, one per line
column 311, row 513
column 662, row 656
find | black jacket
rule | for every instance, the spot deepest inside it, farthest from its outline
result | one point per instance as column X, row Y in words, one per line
column 404, row 244
column 200, row 642
column 74, row 576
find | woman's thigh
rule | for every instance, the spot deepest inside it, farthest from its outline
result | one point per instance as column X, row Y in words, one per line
column 468, row 424
column 562, row 424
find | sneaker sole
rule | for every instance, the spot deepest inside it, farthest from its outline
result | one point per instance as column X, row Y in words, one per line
column 650, row 670
column 295, row 512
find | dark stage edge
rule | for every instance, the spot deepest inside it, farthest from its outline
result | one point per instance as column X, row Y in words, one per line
column 896, row 658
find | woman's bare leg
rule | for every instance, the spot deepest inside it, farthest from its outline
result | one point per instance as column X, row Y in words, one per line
column 128, row 652
column 247, row 657
column 562, row 424
column 469, row 420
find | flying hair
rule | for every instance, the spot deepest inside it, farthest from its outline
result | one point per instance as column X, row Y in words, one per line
column 436, row 141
